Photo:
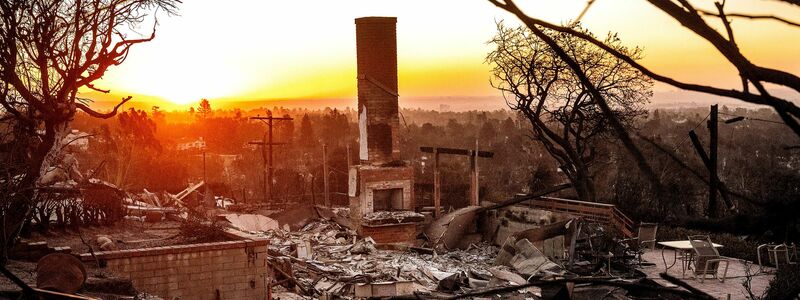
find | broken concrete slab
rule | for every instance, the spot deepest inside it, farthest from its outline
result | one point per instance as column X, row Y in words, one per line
column 446, row 232
column 250, row 222
column 297, row 217
column 453, row 282
column 506, row 276
column 385, row 289
column 340, row 216
column 528, row 260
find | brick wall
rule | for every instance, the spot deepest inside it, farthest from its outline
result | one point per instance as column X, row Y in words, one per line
column 372, row 178
column 376, row 51
column 224, row 270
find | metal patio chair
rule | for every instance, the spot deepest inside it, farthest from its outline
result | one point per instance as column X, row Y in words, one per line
column 777, row 254
column 645, row 240
column 707, row 260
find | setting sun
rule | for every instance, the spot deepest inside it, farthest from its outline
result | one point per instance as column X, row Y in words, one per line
column 257, row 51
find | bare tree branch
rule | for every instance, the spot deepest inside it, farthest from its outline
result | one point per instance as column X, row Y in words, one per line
column 786, row 109
column 616, row 125
column 752, row 17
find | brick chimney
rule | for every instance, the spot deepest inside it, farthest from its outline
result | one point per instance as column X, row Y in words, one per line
column 376, row 50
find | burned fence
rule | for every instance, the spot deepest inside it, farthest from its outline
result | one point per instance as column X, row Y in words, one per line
column 93, row 202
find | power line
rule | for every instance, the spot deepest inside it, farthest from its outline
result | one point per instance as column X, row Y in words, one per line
column 753, row 119
column 679, row 144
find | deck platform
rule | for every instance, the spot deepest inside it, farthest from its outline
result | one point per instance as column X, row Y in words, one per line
column 721, row 290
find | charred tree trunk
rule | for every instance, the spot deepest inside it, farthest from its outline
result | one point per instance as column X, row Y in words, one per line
column 21, row 204
column 584, row 186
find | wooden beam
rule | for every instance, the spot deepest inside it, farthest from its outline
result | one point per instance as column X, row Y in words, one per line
column 270, row 118
column 519, row 199
column 454, row 151
column 266, row 143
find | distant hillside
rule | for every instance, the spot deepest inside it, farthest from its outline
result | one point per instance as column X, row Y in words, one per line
column 687, row 99
column 660, row 100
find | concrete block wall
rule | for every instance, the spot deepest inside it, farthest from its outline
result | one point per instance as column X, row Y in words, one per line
column 223, row 270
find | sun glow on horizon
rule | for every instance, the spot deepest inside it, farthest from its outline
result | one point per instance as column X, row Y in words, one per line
column 250, row 50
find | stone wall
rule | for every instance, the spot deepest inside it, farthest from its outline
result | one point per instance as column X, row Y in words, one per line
column 223, row 270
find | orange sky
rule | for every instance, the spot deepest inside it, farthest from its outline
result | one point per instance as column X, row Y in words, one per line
column 247, row 50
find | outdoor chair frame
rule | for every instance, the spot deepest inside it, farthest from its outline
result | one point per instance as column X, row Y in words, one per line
column 707, row 259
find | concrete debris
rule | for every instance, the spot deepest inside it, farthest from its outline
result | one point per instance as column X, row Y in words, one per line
column 385, row 289
column 250, row 223
column 222, row 202
column 446, row 232
column 342, row 263
column 316, row 252
column 296, row 217
column 105, row 243
column 528, row 260
column 453, row 282
column 325, row 259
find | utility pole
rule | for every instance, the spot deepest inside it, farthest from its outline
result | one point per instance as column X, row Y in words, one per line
column 325, row 175
column 710, row 161
column 713, row 180
column 205, row 179
column 269, row 121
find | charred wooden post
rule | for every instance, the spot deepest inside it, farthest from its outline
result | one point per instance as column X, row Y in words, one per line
column 473, row 157
column 325, row 174
column 473, row 183
column 437, row 185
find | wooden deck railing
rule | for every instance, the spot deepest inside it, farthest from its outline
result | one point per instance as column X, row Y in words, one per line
column 597, row 212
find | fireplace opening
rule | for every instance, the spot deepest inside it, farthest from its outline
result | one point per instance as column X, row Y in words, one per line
column 387, row 199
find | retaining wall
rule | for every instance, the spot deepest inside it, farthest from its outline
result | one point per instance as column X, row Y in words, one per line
column 223, row 270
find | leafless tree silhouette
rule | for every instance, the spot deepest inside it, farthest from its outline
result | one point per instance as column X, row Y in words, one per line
column 692, row 18
column 688, row 16
column 564, row 116
column 49, row 49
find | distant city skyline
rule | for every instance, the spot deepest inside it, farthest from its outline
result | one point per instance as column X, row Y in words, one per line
column 247, row 50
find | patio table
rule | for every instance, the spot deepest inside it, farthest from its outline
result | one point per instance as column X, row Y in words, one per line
column 682, row 247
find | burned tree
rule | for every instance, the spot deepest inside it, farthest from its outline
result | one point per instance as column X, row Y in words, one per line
column 565, row 116
column 135, row 138
column 696, row 20
column 49, row 50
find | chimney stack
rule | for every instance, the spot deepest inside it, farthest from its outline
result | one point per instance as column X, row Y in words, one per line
column 376, row 50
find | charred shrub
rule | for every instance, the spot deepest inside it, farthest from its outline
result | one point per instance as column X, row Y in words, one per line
column 198, row 231
column 786, row 284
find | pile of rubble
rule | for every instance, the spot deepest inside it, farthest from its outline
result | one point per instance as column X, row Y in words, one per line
column 329, row 260
column 154, row 207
